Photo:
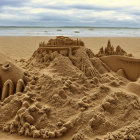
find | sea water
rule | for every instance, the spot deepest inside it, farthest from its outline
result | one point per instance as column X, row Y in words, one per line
column 69, row 31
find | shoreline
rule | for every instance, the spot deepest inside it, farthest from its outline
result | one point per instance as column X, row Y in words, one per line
column 71, row 31
column 53, row 36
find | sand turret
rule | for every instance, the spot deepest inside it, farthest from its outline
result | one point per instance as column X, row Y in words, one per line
column 110, row 50
column 109, row 43
column 120, row 51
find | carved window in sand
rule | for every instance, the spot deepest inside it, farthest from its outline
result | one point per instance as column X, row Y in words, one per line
column 8, row 88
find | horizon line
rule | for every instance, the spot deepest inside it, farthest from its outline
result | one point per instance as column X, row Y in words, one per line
column 39, row 26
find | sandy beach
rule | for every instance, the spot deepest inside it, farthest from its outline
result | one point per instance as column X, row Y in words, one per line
column 66, row 88
column 23, row 47
column 69, row 70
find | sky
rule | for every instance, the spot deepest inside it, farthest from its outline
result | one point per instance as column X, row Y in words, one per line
column 99, row 13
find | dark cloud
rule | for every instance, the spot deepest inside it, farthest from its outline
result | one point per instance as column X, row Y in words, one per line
column 78, row 7
column 91, row 7
column 136, row 13
column 54, row 18
column 13, row 3
column 48, row 21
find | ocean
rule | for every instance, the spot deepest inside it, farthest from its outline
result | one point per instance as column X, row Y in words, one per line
column 70, row 31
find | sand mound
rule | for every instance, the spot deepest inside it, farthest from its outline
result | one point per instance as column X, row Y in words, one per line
column 72, row 95
column 134, row 87
column 64, row 66
column 121, row 72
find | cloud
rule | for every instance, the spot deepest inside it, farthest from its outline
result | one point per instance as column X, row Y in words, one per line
column 12, row 2
column 70, row 12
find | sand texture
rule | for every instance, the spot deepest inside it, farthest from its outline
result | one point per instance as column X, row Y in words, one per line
column 65, row 90
column 131, row 66
column 23, row 47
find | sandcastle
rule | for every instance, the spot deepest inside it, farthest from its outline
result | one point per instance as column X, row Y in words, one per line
column 130, row 66
column 120, row 61
column 62, row 41
column 61, row 45
column 88, row 98
column 85, row 60
column 11, row 78
column 110, row 50
column 68, row 47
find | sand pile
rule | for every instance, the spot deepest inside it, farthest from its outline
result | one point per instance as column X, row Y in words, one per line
column 63, row 66
column 134, row 87
column 72, row 94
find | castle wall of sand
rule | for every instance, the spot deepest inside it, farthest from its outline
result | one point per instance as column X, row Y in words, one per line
column 131, row 66
column 10, row 77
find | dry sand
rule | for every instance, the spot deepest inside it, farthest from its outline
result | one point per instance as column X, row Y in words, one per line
column 72, row 97
column 23, row 47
